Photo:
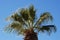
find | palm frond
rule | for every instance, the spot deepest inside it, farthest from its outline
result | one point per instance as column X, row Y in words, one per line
column 44, row 17
column 15, row 26
column 28, row 14
column 48, row 28
column 17, row 17
column 24, row 13
column 32, row 12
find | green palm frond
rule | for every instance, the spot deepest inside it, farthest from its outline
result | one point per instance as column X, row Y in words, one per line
column 44, row 17
column 24, row 13
column 32, row 12
column 47, row 28
column 28, row 14
column 17, row 17
column 15, row 26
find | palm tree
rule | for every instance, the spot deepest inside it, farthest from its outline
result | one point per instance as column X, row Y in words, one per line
column 24, row 22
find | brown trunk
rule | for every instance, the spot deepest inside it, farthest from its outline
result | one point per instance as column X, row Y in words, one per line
column 30, row 35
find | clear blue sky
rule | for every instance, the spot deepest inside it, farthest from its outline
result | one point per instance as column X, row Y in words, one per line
column 9, row 6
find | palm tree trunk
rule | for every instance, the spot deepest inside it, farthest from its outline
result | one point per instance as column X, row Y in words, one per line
column 31, row 35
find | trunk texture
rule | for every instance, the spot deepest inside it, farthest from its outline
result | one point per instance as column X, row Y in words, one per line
column 30, row 35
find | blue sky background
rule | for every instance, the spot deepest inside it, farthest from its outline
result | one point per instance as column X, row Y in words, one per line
column 9, row 6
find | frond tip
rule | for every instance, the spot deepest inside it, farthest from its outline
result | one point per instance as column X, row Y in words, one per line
column 48, row 28
column 43, row 18
column 46, row 15
column 32, row 12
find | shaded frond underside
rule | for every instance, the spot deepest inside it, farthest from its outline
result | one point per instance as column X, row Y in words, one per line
column 47, row 28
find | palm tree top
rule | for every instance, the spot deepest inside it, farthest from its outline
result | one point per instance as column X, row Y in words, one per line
column 25, row 19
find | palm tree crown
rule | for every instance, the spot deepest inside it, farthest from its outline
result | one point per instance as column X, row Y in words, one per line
column 24, row 21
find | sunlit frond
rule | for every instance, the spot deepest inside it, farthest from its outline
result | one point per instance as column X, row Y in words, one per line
column 44, row 17
column 15, row 26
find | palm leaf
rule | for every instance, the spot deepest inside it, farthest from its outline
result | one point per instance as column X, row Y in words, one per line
column 28, row 14
column 24, row 13
column 15, row 26
column 32, row 12
column 48, row 28
column 44, row 17
column 17, row 17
